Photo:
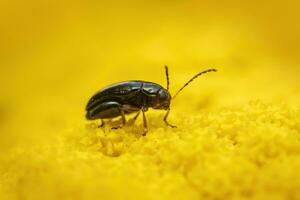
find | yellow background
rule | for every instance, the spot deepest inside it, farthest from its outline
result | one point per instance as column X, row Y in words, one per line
column 239, row 129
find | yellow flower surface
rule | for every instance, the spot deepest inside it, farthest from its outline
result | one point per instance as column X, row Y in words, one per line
column 238, row 134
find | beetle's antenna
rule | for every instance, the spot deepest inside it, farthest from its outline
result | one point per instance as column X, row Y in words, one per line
column 197, row 75
column 167, row 75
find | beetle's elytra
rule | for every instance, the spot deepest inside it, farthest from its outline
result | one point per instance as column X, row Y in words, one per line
column 132, row 97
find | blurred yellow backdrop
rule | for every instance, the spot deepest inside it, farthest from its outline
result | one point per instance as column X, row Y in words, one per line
column 55, row 54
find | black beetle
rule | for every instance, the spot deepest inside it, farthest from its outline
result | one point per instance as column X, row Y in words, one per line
column 132, row 96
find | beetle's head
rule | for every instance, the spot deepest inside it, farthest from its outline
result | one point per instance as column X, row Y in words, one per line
column 162, row 100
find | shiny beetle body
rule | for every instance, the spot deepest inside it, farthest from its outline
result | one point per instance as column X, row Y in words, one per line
column 129, row 96
column 132, row 96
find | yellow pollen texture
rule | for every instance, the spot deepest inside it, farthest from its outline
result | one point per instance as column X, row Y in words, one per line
column 238, row 129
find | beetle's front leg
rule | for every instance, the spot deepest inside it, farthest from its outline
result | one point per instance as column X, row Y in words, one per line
column 123, row 120
column 165, row 120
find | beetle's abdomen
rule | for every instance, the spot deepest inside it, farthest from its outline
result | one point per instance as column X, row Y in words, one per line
column 104, row 110
column 117, row 92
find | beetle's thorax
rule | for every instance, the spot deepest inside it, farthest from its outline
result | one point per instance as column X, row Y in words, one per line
column 162, row 100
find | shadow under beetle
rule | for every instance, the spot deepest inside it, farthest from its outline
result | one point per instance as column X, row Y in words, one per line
column 132, row 96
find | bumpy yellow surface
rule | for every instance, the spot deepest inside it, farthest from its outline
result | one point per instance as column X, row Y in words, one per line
column 238, row 132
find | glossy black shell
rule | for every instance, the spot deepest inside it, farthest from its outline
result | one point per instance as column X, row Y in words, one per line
column 134, row 93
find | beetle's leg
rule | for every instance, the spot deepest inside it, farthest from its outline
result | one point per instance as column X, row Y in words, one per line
column 123, row 117
column 137, row 115
column 123, row 120
column 145, row 122
column 165, row 120
column 102, row 124
column 131, row 109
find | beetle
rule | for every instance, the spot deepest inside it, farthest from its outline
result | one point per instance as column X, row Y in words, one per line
column 133, row 96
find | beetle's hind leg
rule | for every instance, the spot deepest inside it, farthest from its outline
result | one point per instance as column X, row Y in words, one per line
column 123, row 120
column 102, row 124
